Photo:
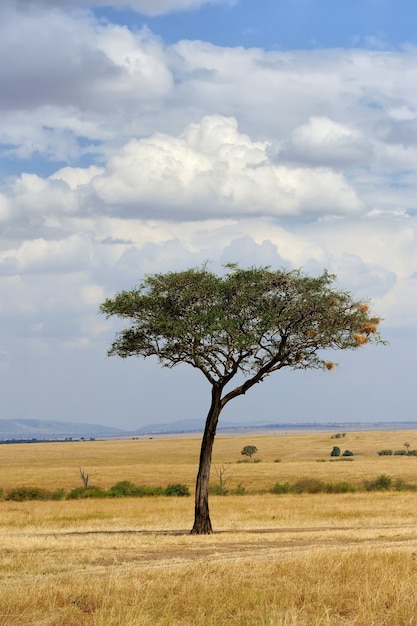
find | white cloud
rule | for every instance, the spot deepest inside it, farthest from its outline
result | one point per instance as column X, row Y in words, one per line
column 324, row 141
column 151, row 157
column 214, row 170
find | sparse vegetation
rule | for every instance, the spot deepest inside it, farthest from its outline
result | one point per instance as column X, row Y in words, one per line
column 132, row 561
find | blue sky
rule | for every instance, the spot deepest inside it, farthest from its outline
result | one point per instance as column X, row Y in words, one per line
column 150, row 135
column 284, row 24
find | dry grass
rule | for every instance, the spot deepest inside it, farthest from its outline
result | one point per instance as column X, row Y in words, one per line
column 273, row 560
column 160, row 461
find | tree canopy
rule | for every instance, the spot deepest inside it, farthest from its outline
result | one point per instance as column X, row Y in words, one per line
column 252, row 321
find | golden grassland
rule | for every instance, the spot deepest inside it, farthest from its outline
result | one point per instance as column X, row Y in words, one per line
column 273, row 560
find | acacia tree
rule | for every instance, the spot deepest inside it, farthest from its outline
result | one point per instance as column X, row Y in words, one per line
column 246, row 323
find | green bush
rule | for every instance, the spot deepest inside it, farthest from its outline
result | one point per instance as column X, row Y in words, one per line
column 281, row 488
column 347, row 453
column 400, row 453
column 277, row 460
column 177, row 490
column 385, row 452
column 125, row 489
column 412, row 453
column 335, row 451
column 382, row 483
column 341, row 487
column 19, row 494
column 240, row 490
column 87, row 492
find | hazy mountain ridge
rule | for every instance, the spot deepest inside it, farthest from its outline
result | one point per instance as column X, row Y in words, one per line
column 49, row 429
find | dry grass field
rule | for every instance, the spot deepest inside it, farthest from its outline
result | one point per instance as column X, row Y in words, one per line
column 311, row 559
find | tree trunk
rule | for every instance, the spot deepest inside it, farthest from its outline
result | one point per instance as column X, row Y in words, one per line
column 202, row 523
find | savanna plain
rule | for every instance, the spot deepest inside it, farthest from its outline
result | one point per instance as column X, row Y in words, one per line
column 274, row 558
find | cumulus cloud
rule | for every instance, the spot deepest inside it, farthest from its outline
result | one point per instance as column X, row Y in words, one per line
column 152, row 157
column 323, row 141
column 212, row 169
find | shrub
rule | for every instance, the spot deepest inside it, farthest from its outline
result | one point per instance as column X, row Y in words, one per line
column 342, row 487
column 19, row 494
column 400, row 452
column 257, row 460
column 177, row 490
column 281, row 488
column 277, row 460
column 125, row 489
column 412, row 453
column 382, row 483
column 335, row 451
column 59, row 494
column 385, row 452
column 87, row 492
column 347, row 453
column 240, row 490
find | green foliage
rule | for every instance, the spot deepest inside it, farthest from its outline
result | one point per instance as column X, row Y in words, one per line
column 249, row 451
column 240, row 490
column 87, row 492
column 125, row 489
column 20, row 494
column 253, row 320
column 340, row 487
column 385, row 452
column 335, row 451
column 347, row 453
column 400, row 453
column 177, row 490
column 382, row 483
column 281, row 488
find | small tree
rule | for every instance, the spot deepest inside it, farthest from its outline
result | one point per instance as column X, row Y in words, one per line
column 84, row 477
column 247, row 323
column 220, row 473
column 249, row 451
column 335, row 451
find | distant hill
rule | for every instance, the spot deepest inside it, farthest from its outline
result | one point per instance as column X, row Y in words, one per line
column 189, row 426
column 45, row 429
column 27, row 429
